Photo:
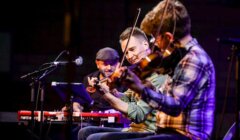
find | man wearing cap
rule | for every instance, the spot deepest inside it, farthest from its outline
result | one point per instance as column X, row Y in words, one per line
column 106, row 61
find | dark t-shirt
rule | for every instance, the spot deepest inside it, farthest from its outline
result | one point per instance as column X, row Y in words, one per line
column 99, row 103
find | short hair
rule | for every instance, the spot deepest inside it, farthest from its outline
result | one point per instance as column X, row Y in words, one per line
column 175, row 20
column 136, row 33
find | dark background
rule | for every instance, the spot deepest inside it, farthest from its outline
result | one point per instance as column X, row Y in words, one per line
column 35, row 32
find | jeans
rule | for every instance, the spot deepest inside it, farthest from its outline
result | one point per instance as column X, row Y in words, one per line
column 102, row 133
column 163, row 136
column 108, row 133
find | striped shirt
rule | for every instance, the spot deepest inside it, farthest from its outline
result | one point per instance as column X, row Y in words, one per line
column 188, row 104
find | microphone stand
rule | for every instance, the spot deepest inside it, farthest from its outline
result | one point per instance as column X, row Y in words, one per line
column 42, row 92
column 236, row 51
column 32, row 123
column 37, row 72
column 237, row 91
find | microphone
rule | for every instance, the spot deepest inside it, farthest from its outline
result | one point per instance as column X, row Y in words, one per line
column 233, row 41
column 78, row 61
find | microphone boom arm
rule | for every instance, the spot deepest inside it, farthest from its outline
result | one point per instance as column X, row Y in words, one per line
column 37, row 71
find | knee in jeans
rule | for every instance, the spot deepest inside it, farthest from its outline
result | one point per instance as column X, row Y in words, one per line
column 84, row 132
column 100, row 136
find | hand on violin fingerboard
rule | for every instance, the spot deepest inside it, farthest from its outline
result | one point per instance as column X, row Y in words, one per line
column 148, row 84
column 103, row 87
column 133, row 82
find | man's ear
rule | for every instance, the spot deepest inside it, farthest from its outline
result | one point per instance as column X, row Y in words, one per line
column 169, row 36
column 146, row 45
column 97, row 63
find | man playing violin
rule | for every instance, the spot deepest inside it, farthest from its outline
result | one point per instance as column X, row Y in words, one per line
column 186, row 110
column 106, row 61
column 129, row 103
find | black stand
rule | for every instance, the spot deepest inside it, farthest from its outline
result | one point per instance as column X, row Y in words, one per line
column 237, row 91
column 236, row 50
column 42, row 94
column 38, row 82
column 32, row 124
column 235, row 42
column 69, row 119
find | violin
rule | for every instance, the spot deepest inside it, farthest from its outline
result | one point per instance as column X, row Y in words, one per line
column 159, row 62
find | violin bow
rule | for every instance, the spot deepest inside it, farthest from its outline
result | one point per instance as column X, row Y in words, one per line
column 133, row 28
column 160, row 25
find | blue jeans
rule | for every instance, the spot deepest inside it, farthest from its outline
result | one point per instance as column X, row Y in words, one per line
column 108, row 133
column 102, row 133
column 163, row 136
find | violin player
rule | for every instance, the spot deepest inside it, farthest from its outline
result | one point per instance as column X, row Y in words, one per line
column 129, row 103
column 106, row 61
column 186, row 111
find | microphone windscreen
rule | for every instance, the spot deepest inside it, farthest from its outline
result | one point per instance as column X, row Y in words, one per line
column 79, row 61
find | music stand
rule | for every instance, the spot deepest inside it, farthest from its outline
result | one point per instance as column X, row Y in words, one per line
column 77, row 90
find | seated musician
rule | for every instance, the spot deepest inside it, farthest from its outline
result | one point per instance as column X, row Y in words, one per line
column 106, row 61
column 186, row 110
column 128, row 102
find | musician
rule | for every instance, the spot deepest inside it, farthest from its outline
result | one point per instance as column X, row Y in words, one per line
column 106, row 61
column 186, row 111
column 129, row 103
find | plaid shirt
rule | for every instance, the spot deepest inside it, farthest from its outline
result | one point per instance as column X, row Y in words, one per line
column 188, row 105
